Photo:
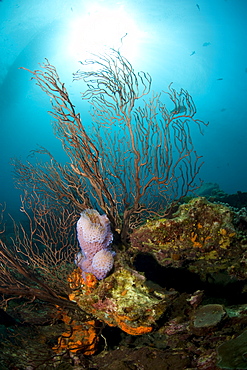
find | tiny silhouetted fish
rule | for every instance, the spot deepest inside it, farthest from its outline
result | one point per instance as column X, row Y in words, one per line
column 246, row 69
column 223, row 109
column 198, row 7
column 219, row 79
column 193, row 52
column 179, row 109
column 206, row 43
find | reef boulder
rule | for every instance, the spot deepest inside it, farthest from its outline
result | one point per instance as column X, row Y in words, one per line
column 200, row 235
column 123, row 299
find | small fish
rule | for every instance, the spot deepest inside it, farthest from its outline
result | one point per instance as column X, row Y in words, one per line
column 219, row 79
column 198, row 7
column 193, row 52
column 246, row 69
column 179, row 109
column 206, row 43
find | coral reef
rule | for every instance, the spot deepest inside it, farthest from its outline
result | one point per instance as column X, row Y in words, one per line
column 80, row 336
column 121, row 300
column 232, row 353
column 124, row 321
column 145, row 168
column 214, row 193
column 94, row 236
column 200, row 235
column 206, row 317
column 173, row 344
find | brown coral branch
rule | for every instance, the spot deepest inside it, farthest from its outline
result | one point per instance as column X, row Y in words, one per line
column 37, row 260
column 135, row 156
column 81, row 150
column 11, row 285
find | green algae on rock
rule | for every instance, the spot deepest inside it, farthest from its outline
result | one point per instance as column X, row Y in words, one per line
column 122, row 299
column 200, row 234
column 208, row 315
column 207, row 318
column 233, row 353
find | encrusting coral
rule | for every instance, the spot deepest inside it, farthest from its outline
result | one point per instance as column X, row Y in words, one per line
column 79, row 337
column 122, row 300
column 200, row 234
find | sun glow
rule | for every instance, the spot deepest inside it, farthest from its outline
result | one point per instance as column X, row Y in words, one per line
column 102, row 28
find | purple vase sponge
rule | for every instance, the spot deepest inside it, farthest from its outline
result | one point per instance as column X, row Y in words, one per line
column 94, row 236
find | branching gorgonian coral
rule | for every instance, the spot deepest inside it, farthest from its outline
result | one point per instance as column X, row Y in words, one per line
column 137, row 155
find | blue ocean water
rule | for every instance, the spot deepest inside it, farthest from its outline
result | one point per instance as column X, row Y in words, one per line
column 199, row 46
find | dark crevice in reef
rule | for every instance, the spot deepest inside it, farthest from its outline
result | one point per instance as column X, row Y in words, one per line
column 6, row 319
column 219, row 287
